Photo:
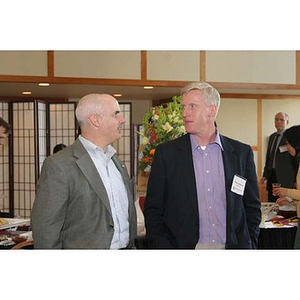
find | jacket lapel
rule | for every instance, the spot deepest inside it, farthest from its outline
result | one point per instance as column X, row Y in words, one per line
column 188, row 174
column 90, row 172
column 230, row 163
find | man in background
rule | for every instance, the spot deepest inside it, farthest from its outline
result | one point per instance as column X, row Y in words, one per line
column 84, row 195
column 5, row 130
column 280, row 166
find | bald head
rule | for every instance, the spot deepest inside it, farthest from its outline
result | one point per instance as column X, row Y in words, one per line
column 92, row 104
column 100, row 119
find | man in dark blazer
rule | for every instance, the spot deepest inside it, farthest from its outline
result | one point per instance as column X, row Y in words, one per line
column 84, row 195
column 280, row 166
column 202, row 191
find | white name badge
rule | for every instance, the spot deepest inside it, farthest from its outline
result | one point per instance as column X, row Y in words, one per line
column 238, row 185
column 283, row 148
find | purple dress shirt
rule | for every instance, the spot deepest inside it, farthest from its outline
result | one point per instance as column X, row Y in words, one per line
column 210, row 180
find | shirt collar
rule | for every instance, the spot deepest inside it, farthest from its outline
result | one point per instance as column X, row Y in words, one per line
column 94, row 149
column 217, row 141
column 280, row 132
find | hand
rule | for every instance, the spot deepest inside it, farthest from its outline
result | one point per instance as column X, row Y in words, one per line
column 279, row 191
column 263, row 180
column 282, row 201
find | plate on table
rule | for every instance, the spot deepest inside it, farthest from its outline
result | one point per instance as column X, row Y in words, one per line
column 6, row 223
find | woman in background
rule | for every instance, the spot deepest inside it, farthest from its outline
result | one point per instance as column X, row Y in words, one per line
column 292, row 137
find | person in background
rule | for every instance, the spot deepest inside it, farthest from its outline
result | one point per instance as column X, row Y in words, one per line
column 202, row 191
column 84, row 196
column 288, row 195
column 279, row 167
column 58, row 147
column 5, row 130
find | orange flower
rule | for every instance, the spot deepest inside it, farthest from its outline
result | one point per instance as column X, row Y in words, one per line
column 147, row 160
column 152, row 151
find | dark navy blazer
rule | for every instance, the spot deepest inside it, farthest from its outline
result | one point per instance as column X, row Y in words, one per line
column 171, row 206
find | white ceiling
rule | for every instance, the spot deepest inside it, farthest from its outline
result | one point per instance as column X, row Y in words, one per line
column 9, row 89
column 76, row 91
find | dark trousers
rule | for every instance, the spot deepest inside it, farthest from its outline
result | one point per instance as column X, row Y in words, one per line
column 271, row 179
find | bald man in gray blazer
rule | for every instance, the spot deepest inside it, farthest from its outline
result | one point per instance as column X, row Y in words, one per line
column 84, row 195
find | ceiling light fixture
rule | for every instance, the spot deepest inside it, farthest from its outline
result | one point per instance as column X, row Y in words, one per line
column 148, row 87
column 44, row 84
column 117, row 95
column 26, row 93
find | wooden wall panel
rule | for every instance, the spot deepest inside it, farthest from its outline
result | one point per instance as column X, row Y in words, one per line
column 98, row 64
column 237, row 118
column 23, row 63
column 272, row 67
column 173, row 65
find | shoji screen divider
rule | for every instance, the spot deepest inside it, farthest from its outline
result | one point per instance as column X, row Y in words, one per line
column 36, row 127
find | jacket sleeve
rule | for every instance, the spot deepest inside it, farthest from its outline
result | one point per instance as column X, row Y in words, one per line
column 156, row 234
column 265, row 172
column 252, row 202
column 50, row 206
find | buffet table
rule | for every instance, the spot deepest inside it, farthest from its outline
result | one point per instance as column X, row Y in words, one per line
column 278, row 233
column 275, row 234
column 277, row 238
column 269, row 239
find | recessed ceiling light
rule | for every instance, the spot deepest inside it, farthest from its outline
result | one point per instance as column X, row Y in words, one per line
column 148, row 87
column 44, row 84
column 117, row 95
column 26, row 93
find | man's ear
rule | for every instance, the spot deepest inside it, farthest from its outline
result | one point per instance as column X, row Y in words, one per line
column 213, row 111
column 94, row 119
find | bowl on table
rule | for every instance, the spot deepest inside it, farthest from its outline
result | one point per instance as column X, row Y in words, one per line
column 19, row 238
column 288, row 211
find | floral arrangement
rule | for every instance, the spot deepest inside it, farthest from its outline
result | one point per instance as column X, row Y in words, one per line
column 160, row 124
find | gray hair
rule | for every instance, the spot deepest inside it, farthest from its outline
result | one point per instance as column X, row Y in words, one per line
column 211, row 95
column 88, row 105
column 286, row 116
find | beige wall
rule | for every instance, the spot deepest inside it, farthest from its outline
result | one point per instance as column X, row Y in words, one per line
column 98, row 64
column 277, row 67
column 138, row 110
column 237, row 118
column 24, row 63
column 173, row 65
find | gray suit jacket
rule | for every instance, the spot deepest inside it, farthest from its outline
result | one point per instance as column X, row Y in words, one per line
column 72, row 209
